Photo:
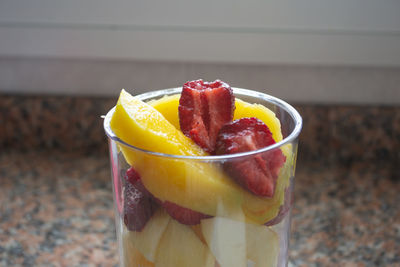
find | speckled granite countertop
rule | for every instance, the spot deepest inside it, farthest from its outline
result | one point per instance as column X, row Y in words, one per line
column 56, row 196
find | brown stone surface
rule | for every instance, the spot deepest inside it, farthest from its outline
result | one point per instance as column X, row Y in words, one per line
column 345, row 134
column 43, row 122
column 56, row 210
column 56, row 197
column 346, row 215
column 348, row 134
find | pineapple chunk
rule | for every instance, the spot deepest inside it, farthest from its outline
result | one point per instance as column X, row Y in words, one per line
column 147, row 240
column 180, row 247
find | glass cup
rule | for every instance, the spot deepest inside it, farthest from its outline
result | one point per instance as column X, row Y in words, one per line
column 177, row 211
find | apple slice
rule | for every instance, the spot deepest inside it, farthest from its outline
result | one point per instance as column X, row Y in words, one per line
column 226, row 239
column 148, row 239
column 180, row 247
column 131, row 255
column 262, row 245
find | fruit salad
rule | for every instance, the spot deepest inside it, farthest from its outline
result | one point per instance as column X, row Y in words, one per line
column 200, row 179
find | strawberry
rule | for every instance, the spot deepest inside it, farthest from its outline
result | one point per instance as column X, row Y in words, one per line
column 139, row 204
column 204, row 107
column 183, row 215
column 257, row 173
column 132, row 175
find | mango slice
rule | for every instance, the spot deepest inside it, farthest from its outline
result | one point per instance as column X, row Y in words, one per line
column 142, row 126
column 168, row 107
column 192, row 184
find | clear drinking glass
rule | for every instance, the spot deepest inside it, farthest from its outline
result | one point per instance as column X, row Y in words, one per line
column 236, row 227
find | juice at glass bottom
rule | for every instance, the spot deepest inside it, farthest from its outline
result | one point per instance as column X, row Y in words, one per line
column 180, row 201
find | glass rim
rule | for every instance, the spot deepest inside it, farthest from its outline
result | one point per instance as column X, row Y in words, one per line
column 160, row 93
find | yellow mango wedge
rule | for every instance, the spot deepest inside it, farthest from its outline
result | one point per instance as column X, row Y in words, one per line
column 189, row 183
column 168, row 107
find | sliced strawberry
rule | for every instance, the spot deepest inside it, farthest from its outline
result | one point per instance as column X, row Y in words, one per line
column 257, row 173
column 139, row 204
column 183, row 215
column 204, row 107
column 132, row 175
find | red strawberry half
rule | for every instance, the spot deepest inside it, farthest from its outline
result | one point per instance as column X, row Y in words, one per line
column 257, row 173
column 204, row 107
column 139, row 204
column 183, row 215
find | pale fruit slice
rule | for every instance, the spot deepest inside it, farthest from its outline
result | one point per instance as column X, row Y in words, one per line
column 148, row 239
column 131, row 255
column 180, row 247
column 262, row 245
column 226, row 239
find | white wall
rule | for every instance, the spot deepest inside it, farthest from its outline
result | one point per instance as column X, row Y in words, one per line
column 305, row 84
column 341, row 51
column 344, row 32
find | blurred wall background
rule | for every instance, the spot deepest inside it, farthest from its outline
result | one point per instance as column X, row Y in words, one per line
column 306, row 52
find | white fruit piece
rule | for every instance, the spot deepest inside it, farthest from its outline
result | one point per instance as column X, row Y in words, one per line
column 262, row 245
column 148, row 239
column 131, row 256
column 226, row 239
column 180, row 247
